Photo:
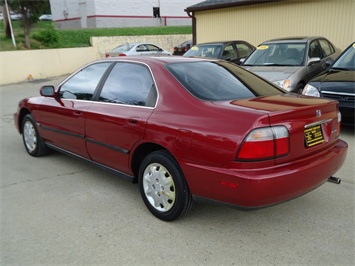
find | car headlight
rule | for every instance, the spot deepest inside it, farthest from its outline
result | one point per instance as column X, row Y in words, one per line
column 311, row 91
column 285, row 84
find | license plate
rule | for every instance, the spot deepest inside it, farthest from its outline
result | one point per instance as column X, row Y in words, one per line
column 179, row 49
column 313, row 135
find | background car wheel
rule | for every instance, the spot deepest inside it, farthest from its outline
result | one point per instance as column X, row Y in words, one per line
column 32, row 140
column 163, row 186
column 299, row 88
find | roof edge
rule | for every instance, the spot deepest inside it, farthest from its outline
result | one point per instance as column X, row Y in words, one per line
column 226, row 5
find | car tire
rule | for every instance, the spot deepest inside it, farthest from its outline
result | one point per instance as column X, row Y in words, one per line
column 299, row 88
column 33, row 142
column 163, row 187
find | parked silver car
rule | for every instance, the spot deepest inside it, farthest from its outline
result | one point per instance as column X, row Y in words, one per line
column 128, row 49
column 291, row 62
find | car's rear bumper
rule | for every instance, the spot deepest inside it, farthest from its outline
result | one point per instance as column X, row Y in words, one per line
column 256, row 187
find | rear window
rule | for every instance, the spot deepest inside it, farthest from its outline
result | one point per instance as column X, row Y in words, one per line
column 123, row 48
column 220, row 81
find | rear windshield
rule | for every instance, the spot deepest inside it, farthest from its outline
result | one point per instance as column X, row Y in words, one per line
column 220, row 81
column 123, row 48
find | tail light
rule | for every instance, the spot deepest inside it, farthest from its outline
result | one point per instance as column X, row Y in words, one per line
column 265, row 143
column 121, row 54
column 339, row 124
column 107, row 55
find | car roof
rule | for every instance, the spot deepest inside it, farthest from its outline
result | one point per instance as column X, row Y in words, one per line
column 220, row 42
column 157, row 59
column 301, row 39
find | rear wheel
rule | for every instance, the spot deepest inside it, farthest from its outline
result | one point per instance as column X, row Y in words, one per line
column 31, row 139
column 163, row 186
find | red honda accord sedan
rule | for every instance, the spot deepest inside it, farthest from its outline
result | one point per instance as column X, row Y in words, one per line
column 184, row 127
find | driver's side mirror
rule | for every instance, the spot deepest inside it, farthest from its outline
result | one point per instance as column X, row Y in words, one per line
column 329, row 62
column 313, row 60
column 242, row 60
column 47, row 91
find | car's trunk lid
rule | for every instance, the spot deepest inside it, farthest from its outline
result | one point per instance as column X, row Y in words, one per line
column 312, row 122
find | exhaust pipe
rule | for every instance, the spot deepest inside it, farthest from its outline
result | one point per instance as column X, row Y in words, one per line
column 334, row 180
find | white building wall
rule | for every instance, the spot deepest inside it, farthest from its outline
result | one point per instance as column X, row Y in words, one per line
column 119, row 13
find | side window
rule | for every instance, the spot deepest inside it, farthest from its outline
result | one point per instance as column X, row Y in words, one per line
column 243, row 50
column 229, row 52
column 82, row 85
column 141, row 48
column 314, row 50
column 152, row 48
column 129, row 83
column 327, row 48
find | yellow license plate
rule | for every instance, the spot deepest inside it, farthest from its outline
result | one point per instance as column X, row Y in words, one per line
column 313, row 135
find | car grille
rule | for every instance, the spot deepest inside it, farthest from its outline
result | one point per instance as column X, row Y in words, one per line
column 340, row 97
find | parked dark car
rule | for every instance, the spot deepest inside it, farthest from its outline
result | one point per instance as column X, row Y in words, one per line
column 291, row 62
column 232, row 51
column 338, row 83
column 187, row 126
column 182, row 48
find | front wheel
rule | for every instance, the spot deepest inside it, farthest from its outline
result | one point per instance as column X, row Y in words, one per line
column 163, row 186
column 299, row 88
column 31, row 139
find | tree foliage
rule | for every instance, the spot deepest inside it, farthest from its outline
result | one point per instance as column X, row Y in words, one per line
column 30, row 10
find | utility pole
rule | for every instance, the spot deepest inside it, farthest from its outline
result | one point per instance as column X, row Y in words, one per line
column 9, row 22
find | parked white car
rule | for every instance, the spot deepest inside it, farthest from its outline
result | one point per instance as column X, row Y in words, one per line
column 15, row 16
column 137, row 49
column 46, row 17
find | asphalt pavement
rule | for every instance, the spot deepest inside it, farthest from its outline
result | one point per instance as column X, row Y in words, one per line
column 57, row 210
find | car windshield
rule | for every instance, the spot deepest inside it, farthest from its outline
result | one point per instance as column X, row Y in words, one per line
column 123, row 48
column 220, row 81
column 206, row 50
column 277, row 54
column 347, row 60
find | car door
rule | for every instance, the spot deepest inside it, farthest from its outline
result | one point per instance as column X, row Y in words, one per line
column 315, row 51
column 116, row 121
column 62, row 118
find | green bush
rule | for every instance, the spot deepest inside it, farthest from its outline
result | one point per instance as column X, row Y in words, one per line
column 49, row 37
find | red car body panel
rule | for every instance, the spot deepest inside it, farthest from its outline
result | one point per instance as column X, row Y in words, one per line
column 68, row 118
column 204, row 137
column 117, row 126
column 254, row 187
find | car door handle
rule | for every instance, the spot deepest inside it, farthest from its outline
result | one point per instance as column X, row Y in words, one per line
column 78, row 113
column 133, row 121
